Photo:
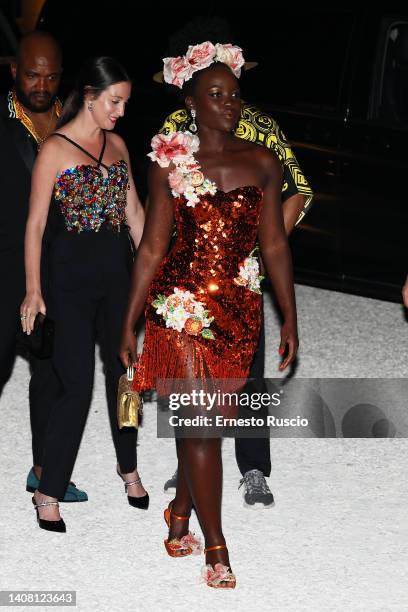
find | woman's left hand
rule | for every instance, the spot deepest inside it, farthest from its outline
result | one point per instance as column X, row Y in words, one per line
column 289, row 340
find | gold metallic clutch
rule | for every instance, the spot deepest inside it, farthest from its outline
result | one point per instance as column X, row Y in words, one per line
column 130, row 404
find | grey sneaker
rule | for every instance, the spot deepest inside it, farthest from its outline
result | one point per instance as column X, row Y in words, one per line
column 171, row 484
column 256, row 490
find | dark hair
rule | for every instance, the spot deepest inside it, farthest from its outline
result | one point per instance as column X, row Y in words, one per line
column 95, row 76
column 214, row 29
column 201, row 29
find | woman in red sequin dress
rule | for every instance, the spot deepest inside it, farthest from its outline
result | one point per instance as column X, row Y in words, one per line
column 203, row 302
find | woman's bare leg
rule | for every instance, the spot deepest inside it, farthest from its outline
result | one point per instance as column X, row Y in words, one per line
column 182, row 502
column 201, row 461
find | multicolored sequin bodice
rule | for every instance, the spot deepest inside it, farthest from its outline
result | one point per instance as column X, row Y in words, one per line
column 87, row 198
column 203, row 309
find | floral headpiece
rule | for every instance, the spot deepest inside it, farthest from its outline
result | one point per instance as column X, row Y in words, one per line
column 178, row 70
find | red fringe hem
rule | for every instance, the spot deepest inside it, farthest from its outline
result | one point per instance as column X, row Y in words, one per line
column 169, row 354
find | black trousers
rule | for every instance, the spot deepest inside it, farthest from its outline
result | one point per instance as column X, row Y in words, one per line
column 254, row 453
column 89, row 283
column 43, row 384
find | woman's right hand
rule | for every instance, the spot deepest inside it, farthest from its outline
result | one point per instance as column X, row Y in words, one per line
column 128, row 347
column 33, row 304
column 405, row 293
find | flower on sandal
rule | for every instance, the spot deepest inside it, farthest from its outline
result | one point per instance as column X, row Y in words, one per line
column 192, row 542
column 217, row 574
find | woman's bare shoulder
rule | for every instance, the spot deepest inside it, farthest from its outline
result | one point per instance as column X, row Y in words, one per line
column 268, row 159
column 52, row 151
column 116, row 141
column 262, row 154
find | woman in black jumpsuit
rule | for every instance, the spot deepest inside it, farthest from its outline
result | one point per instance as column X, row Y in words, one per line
column 84, row 171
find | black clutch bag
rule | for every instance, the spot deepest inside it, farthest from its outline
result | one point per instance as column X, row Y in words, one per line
column 40, row 341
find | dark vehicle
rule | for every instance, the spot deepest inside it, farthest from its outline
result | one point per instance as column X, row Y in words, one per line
column 336, row 80
column 340, row 92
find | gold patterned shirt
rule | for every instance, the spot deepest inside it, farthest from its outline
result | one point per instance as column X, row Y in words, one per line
column 16, row 111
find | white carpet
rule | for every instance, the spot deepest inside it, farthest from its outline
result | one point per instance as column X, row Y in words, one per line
column 337, row 538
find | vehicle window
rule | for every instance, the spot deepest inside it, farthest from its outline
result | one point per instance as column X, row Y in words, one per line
column 302, row 58
column 394, row 86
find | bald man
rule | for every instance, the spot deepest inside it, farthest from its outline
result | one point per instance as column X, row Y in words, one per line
column 28, row 115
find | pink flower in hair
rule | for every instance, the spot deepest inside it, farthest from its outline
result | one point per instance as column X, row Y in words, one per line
column 176, row 70
column 200, row 56
column 175, row 147
column 230, row 55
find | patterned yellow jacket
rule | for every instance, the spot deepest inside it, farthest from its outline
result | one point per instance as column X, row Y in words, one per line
column 259, row 127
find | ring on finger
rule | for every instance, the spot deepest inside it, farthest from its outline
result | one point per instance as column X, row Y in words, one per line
column 22, row 317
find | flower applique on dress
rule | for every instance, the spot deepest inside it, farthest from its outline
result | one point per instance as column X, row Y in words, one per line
column 249, row 274
column 186, row 179
column 182, row 311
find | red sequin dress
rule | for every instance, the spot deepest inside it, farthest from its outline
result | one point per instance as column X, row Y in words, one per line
column 202, row 317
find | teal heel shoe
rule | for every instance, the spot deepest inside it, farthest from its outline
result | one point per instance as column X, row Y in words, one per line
column 72, row 494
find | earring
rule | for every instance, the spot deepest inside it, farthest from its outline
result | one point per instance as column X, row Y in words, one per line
column 90, row 106
column 193, row 125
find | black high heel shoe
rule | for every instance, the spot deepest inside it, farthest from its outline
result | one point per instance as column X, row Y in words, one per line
column 137, row 502
column 58, row 526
